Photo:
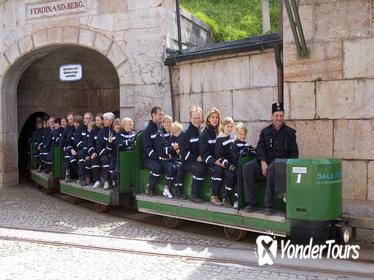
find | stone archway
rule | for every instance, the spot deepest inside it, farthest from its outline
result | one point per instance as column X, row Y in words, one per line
column 20, row 55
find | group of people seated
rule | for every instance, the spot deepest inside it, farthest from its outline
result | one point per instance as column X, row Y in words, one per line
column 90, row 149
column 215, row 152
column 174, row 152
column 89, row 145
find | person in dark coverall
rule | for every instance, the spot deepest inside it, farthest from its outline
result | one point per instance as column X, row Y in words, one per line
column 239, row 147
column 176, row 130
column 102, row 147
column 119, row 140
column 150, row 157
column 81, row 137
column 36, row 139
column 93, row 154
column 66, row 143
column 206, row 147
column 47, row 146
column 190, row 155
column 222, row 151
column 276, row 141
column 165, row 150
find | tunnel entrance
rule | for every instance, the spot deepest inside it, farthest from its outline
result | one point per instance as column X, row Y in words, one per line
column 41, row 92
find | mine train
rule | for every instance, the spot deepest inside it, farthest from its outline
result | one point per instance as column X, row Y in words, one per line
column 308, row 198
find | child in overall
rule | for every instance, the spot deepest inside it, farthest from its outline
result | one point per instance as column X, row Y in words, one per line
column 176, row 131
column 239, row 147
column 222, row 149
column 128, row 134
column 165, row 150
column 115, row 140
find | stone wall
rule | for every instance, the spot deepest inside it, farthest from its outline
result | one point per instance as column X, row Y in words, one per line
column 132, row 35
column 330, row 95
column 242, row 86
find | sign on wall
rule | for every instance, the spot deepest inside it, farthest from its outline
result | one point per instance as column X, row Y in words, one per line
column 54, row 8
column 70, row 72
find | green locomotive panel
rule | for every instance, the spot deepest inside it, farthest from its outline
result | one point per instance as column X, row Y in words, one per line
column 314, row 189
column 126, row 172
column 58, row 161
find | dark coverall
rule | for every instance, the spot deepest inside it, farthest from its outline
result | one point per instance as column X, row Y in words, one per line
column 236, row 148
column 189, row 152
column 121, row 141
column 67, row 143
column 206, row 147
column 272, row 144
column 81, row 143
column 151, row 159
column 36, row 139
column 222, row 150
column 94, row 164
column 46, row 156
column 104, row 152
column 164, row 149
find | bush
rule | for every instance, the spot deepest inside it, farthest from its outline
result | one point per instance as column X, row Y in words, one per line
column 232, row 19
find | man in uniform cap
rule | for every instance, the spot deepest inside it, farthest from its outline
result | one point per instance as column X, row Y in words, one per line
column 276, row 141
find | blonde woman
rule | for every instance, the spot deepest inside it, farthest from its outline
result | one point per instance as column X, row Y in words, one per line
column 206, row 147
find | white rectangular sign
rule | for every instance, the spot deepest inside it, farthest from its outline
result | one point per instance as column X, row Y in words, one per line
column 70, row 72
column 54, row 8
column 299, row 170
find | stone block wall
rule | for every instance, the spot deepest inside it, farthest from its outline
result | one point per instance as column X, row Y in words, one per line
column 330, row 95
column 242, row 86
column 132, row 35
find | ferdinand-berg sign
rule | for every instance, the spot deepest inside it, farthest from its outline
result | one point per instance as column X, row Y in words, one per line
column 54, row 8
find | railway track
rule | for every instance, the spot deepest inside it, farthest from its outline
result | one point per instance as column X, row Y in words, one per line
column 212, row 254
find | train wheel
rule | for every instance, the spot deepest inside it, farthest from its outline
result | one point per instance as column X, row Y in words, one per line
column 101, row 208
column 171, row 222
column 234, row 234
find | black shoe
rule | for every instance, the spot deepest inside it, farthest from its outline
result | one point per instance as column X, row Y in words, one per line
column 83, row 182
column 250, row 208
column 268, row 211
column 195, row 199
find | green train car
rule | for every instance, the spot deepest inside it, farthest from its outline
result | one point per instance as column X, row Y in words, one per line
column 308, row 199
column 48, row 183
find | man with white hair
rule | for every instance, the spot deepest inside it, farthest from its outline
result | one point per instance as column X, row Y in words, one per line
column 104, row 150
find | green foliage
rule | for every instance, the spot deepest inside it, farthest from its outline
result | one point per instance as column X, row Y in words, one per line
column 232, row 19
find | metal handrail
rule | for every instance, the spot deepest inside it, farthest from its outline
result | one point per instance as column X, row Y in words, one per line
column 292, row 9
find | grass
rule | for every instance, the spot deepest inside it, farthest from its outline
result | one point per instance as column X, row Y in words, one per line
column 232, row 19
